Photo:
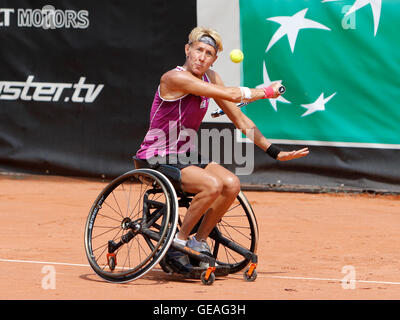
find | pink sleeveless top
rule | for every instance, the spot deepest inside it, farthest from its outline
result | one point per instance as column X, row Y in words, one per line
column 173, row 124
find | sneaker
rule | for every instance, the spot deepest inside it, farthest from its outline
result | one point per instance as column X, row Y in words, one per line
column 202, row 247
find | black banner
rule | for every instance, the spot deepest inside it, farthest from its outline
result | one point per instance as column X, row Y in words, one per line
column 77, row 79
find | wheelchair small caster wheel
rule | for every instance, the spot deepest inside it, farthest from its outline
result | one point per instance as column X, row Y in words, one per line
column 207, row 280
column 111, row 261
column 249, row 277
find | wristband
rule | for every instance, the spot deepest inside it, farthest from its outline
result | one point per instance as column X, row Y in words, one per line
column 246, row 92
column 269, row 92
column 273, row 151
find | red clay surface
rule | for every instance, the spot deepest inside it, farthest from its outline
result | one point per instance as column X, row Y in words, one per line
column 305, row 242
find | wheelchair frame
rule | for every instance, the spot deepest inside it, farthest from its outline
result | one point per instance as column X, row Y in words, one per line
column 157, row 224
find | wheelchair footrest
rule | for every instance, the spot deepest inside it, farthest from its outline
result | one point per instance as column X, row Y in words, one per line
column 220, row 271
column 195, row 272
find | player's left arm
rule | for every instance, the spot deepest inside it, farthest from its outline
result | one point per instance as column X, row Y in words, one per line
column 248, row 127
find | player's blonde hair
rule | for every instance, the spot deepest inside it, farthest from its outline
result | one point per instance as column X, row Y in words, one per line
column 198, row 32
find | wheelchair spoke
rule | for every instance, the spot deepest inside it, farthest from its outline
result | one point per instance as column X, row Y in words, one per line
column 120, row 211
column 112, row 208
column 138, row 202
column 104, row 247
column 127, row 257
column 105, row 232
column 108, row 217
column 130, row 224
column 128, row 198
column 232, row 208
column 235, row 228
column 229, row 254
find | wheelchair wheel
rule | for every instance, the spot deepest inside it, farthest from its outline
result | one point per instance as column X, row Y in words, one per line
column 237, row 228
column 131, row 225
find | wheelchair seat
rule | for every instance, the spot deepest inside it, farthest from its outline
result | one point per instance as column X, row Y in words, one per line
column 173, row 174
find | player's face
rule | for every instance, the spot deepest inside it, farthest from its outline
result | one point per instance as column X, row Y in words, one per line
column 200, row 57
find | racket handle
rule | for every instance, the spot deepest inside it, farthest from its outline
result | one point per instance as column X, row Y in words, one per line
column 217, row 113
column 220, row 112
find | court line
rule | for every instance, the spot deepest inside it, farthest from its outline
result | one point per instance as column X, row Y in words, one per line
column 261, row 276
column 336, row 280
column 46, row 262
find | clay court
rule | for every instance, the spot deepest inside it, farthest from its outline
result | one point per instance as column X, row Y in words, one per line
column 309, row 245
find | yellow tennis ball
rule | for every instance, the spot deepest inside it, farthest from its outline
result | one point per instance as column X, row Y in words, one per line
column 236, row 55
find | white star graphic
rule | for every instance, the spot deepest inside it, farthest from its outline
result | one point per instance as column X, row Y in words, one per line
column 291, row 25
column 267, row 82
column 376, row 6
column 318, row 105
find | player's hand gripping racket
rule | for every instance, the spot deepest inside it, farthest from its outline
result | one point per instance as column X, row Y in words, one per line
column 219, row 112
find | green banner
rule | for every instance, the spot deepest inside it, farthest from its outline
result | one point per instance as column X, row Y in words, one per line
column 339, row 61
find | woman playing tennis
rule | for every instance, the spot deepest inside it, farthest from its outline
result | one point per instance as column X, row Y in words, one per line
column 180, row 103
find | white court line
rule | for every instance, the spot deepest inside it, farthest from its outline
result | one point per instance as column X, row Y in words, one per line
column 336, row 280
column 261, row 276
column 45, row 262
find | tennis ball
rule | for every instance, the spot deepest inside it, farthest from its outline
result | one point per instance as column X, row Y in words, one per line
column 236, row 55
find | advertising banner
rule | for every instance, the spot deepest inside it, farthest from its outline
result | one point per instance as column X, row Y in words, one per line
column 339, row 61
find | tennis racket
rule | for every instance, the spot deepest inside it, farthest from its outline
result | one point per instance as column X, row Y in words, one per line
column 219, row 112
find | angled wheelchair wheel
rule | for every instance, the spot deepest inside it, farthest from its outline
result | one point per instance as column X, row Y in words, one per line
column 131, row 225
column 235, row 236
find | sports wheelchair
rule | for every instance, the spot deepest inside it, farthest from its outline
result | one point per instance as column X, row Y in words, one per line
column 132, row 223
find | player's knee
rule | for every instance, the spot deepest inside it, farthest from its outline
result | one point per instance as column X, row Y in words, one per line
column 214, row 187
column 232, row 186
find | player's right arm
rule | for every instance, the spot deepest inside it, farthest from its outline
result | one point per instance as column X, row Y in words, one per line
column 247, row 126
column 175, row 84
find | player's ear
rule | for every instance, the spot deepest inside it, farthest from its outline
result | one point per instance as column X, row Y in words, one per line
column 187, row 47
column 215, row 59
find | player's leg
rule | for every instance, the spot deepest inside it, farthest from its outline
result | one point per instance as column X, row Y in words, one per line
column 207, row 189
column 212, row 209
column 230, row 189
